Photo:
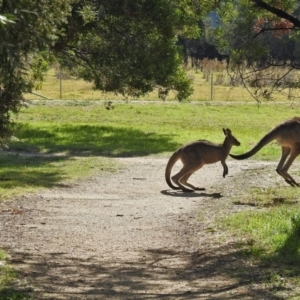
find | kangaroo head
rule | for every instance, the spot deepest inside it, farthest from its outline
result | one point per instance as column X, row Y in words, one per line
column 230, row 138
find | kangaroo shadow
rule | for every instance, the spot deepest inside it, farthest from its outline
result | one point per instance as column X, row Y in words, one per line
column 179, row 193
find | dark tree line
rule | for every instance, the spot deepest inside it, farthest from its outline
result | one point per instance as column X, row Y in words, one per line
column 196, row 50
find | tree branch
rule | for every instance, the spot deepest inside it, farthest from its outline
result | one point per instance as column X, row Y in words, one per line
column 278, row 12
column 273, row 29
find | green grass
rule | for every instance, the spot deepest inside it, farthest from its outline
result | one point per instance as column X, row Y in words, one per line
column 268, row 197
column 269, row 235
column 143, row 129
column 24, row 174
column 7, row 274
column 269, row 231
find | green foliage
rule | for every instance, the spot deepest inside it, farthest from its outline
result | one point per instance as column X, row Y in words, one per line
column 39, row 66
column 129, row 47
column 32, row 30
column 6, row 19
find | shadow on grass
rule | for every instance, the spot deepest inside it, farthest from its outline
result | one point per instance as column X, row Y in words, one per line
column 220, row 273
column 73, row 140
column 82, row 139
column 286, row 261
column 22, row 172
column 14, row 294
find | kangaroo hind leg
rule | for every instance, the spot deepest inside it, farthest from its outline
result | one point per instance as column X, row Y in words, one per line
column 182, row 176
column 185, row 178
column 283, row 168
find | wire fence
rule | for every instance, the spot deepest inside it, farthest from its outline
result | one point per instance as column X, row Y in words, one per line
column 208, row 86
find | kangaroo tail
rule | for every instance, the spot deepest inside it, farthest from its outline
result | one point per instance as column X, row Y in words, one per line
column 269, row 137
column 173, row 159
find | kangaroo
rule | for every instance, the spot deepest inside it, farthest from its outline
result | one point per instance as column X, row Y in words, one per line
column 287, row 135
column 196, row 154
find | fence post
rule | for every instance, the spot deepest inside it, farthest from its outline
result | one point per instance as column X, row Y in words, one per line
column 60, row 84
column 212, row 86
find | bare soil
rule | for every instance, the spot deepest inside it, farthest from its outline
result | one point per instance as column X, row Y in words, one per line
column 128, row 236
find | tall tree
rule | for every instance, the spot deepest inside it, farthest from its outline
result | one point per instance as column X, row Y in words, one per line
column 130, row 46
column 127, row 46
column 33, row 30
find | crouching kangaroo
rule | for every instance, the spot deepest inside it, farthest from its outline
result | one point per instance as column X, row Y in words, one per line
column 196, row 154
column 287, row 135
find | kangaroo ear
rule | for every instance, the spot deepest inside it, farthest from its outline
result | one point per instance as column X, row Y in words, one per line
column 227, row 131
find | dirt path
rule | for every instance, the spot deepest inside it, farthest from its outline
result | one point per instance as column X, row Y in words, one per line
column 127, row 236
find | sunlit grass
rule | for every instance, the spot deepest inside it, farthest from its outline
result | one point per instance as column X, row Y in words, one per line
column 268, row 230
column 133, row 129
column 268, row 234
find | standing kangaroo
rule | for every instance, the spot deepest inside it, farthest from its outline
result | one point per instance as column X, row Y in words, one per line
column 196, row 154
column 287, row 135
